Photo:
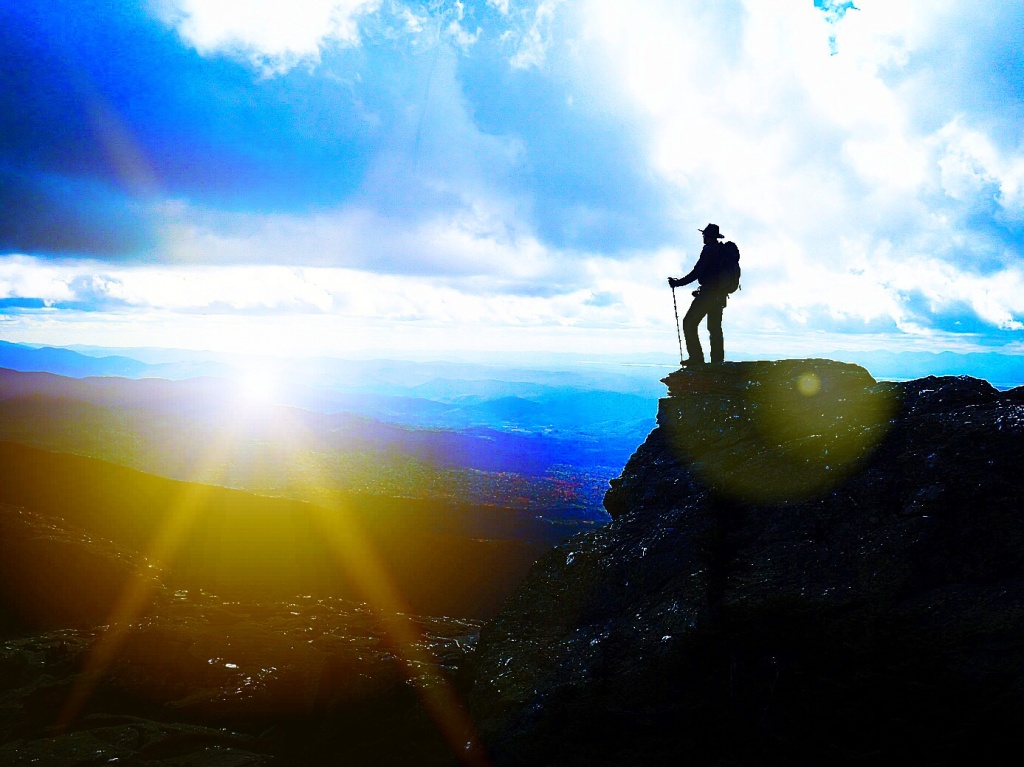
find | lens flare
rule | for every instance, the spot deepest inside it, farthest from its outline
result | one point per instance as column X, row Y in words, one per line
column 808, row 384
column 350, row 547
column 774, row 432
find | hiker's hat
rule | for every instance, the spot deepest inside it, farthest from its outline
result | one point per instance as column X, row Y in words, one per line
column 712, row 229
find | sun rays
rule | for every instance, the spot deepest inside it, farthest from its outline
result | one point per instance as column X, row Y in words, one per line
column 351, row 550
column 139, row 592
column 350, row 547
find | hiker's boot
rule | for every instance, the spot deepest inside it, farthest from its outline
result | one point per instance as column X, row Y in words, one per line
column 693, row 362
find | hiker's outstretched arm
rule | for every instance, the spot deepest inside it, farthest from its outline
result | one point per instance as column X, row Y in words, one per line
column 675, row 282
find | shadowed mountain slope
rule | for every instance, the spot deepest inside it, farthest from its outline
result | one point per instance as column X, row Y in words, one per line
column 243, row 546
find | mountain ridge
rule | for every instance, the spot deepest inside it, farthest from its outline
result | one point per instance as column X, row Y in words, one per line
column 805, row 566
column 153, row 424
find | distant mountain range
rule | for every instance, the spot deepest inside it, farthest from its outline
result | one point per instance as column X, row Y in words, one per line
column 1004, row 371
column 443, row 381
column 548, row 439
column 513, row 435
column 76, row 365
column 436, row 395
column 200, row 430
column 457, row 479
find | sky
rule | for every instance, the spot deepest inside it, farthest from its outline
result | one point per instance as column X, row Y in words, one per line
column 330, row 176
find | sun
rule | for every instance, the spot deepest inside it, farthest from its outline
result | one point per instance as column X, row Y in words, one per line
column 258, row 386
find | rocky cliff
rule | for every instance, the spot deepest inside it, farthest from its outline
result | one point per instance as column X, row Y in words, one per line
column 805, row 566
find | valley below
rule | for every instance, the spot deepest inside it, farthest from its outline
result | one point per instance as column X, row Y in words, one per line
column 193, row 576
column 190, row 576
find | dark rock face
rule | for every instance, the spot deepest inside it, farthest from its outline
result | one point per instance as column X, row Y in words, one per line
column 805, row 567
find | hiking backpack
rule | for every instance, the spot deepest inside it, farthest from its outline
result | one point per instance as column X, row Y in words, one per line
column 729, row 267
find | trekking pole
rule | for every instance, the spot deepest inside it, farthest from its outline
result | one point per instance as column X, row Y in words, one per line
column 675, row 307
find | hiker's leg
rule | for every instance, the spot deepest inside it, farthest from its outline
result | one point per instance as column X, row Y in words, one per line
column 694, row 315
column 715, row 330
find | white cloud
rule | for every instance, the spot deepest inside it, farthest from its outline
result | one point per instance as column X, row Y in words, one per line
column 328, row 296
column 460, row 36
column 848, row 180
column 995, row 298
column 798, row 154
column 97, row 285
column 613, row 305
column 276, row 34
column 474, row 241
column 24, row 277
column 972, row 167
column 413, row 23
column 535, row 41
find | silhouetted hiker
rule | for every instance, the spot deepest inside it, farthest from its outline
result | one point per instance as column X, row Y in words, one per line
column 718, row 272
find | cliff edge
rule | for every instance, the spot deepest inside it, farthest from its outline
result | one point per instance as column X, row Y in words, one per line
column 805, row 566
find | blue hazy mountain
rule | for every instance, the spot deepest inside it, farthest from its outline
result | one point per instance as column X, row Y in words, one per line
column 202, row 429
column 75, row 364
column 430, row 394
column 485, row 375
column 1001, row 370
column 67, row 362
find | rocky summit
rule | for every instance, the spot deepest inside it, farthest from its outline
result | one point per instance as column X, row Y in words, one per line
column 805, row 566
